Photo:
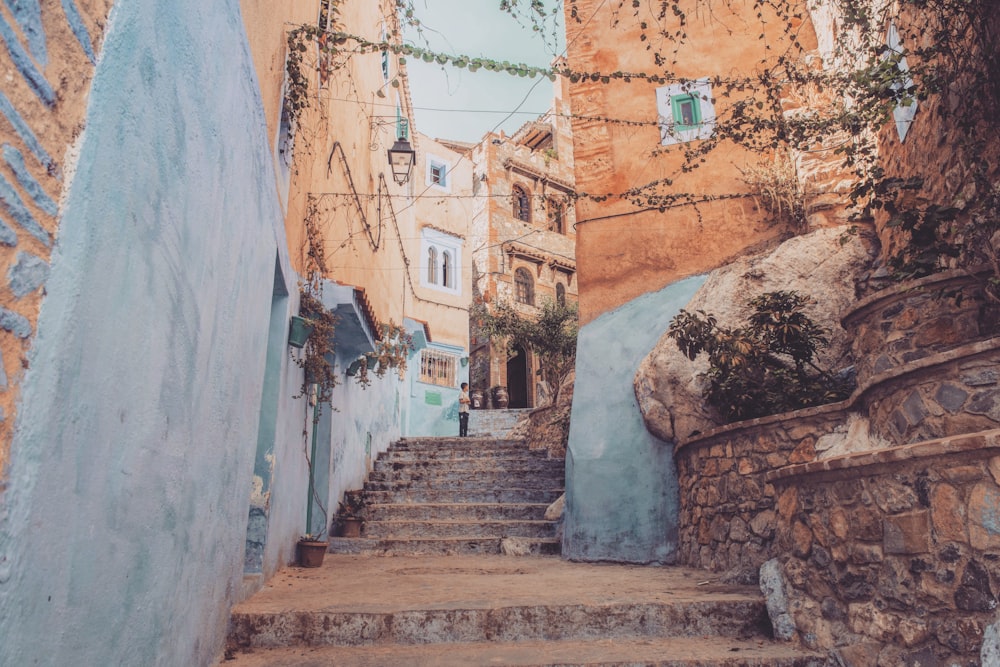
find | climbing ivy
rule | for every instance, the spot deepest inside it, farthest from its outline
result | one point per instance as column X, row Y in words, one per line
column 952, row 69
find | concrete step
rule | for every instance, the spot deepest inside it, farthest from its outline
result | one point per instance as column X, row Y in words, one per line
column 496, row 495
column 445, row 471
column 482, row 623
column 406, row 456
column 456, row 511
column 481, row 482
column 631, row 652
column 441, row 546
column 450, row 528
column 435, row 443
column 466, row 464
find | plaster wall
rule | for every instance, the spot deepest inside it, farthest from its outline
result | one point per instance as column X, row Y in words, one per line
column 340, row 145
column 365, row 421
column 125, row 507
column 447, row 210
column 433, row 409
column 621, row 482
column 623, row 250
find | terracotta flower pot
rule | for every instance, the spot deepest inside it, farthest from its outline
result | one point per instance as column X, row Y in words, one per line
column 350, row 527
column 311, row 553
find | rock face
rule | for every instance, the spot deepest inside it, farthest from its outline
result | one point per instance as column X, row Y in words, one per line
column 824, row 264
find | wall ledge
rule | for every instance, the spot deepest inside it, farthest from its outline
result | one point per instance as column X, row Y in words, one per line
column 984, row 441
column 904, row 290
column 845, row 406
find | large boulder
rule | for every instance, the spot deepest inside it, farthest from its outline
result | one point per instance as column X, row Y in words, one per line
column 825, row 264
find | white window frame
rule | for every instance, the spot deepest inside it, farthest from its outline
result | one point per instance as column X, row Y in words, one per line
column 434, row 162
column 442, row 245
column 701, row 90
column 438, row 367
column 902, row 115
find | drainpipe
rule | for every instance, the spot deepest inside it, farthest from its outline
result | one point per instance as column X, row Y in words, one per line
column 312, row 475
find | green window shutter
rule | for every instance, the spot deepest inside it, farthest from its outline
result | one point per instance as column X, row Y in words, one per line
column 686, row 111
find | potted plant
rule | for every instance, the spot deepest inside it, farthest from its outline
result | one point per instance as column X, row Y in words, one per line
column 311, row 550
column 349, row 514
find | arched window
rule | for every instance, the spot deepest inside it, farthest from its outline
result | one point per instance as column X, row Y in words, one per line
column 522, row 203
column 560, row 294
column 432, row 266
column 447, row 270
column 524, row 287
column 556, row 216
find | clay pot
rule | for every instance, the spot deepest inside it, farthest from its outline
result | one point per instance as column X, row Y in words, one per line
column 311, row 553
column 350, row 527
column 500, row 397
column 477, row 400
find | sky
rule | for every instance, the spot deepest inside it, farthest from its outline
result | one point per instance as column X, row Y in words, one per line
column 456, row 104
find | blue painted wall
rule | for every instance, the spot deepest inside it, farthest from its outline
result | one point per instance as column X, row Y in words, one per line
column 125, row 511
column 621, row 483
column 433, row 409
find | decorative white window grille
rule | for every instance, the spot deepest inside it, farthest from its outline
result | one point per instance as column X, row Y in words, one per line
column 438, row 368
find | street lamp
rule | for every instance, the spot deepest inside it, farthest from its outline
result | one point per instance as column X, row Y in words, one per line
column 402, row 157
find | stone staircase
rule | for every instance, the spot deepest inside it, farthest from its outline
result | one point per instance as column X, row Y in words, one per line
column 458, row 496
column 427, row 586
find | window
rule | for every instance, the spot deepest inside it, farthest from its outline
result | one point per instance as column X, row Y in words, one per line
column 556, row 215
column 560, row 294
column 432, row 265
column 685, row 111
column 385, row 58
column 438, row 368
column 447, row 270
column 524, row 287
column 442, row 260
column 437, row 173
column 904, row 112
column 522, row 203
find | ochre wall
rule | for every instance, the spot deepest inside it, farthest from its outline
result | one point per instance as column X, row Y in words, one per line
column 622, row 252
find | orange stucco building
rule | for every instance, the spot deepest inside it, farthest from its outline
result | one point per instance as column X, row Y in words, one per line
column 628, row 140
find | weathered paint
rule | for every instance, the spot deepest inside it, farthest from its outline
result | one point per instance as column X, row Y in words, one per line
column 78, row 27
column 128, row 487
column 621, row 484
column 28, row 14
column 15, row 160
column 25, row 65
column 24, row 130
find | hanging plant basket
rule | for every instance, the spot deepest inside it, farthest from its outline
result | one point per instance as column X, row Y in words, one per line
column 298, row 331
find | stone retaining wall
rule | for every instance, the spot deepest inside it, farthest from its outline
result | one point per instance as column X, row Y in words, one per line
column 899, row 548
column 880, row 513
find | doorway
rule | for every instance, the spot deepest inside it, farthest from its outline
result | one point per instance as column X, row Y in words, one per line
column 517, row 378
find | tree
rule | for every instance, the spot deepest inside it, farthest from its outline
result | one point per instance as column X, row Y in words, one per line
column 766, row 367
column 550, row 335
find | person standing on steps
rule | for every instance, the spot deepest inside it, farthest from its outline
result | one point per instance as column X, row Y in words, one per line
column 463, row 411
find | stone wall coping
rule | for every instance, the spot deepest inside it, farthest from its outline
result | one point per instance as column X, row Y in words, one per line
column 915, row 366
column 906, row 289
column 984, row 440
